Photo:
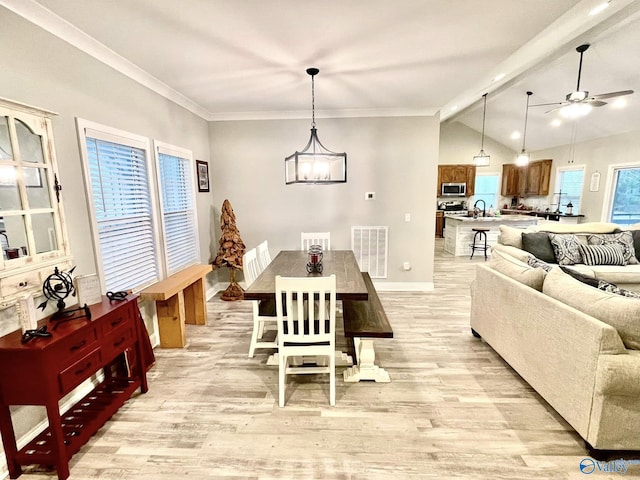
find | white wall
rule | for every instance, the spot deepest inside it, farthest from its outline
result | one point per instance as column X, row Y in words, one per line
column 459, row 144
column 39, row 69
column 595, row 155
column 394, row 157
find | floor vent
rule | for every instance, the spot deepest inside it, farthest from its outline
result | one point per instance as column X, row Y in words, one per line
column 370, row 247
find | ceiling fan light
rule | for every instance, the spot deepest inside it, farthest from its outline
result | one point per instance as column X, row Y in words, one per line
column 577, row 96
column 575, row 110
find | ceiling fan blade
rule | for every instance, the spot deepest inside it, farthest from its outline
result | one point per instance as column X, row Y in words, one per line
column 547, row 104
column 594, row 103
column 602, row 96
column 560, row 105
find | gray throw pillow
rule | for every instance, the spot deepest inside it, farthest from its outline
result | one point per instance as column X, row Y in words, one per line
column 566, row 248
column 611, row 254
column 625, row 239
column 539, row 245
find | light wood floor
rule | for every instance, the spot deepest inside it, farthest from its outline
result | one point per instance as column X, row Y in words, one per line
column 454, row 409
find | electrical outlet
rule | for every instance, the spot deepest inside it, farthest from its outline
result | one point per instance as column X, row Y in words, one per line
column 370, row 195
column 407, row 217
column 406, row 266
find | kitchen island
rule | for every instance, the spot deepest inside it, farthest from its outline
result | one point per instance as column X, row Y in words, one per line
column 458, row 233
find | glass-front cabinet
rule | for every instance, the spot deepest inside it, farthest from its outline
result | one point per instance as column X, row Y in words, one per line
column 32, row 232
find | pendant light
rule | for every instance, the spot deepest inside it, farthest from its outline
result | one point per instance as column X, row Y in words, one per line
column 523, row 157
column 315, row 164
column 482, row 159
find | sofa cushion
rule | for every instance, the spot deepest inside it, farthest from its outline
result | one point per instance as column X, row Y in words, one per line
column 603, row 254
column 511, row 236
column 624, row 239
column 620, row 312
column 519, row 271
column 589, row 227
column 566, row 248
column 514, row 252
column 539, row 245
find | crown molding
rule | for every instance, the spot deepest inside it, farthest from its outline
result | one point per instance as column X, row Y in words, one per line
column 47, row 20
column 306, row 114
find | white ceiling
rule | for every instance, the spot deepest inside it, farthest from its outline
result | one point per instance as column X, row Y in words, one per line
column 246, row 59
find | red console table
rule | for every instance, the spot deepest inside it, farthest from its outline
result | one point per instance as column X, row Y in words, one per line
column 43, row 370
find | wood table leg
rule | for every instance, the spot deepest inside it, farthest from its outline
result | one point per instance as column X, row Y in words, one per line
column 171, row 318
column 366, row 369
column 9, row 441
column 195, row 303
column 57, row 437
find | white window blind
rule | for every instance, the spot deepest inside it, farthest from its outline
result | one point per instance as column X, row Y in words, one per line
column 118, row 176
column 175, row 175
column 369, row 245
column 570, row 182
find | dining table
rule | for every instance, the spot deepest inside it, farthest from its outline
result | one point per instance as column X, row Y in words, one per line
column 293, row 263
column 350, row 284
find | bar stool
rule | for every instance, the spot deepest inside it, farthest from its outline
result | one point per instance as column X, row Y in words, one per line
column 478, row 237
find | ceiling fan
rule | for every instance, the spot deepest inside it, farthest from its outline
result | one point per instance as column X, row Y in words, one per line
column 579, row 102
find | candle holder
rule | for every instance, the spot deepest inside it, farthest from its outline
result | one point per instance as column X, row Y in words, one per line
column 315, row 259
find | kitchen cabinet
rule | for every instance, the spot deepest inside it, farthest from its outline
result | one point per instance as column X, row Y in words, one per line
column 530, row 180
column 457, row 174
column 439, row 223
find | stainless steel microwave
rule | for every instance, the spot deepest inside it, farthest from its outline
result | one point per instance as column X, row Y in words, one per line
column 454, row 190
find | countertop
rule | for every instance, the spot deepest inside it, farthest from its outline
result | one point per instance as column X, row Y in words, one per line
column 512, row 211
column 500, row 219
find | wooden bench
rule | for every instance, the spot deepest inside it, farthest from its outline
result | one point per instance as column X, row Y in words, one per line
column 364, row 321
column 179, row 299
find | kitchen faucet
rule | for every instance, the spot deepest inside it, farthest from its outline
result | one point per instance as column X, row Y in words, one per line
column 484, row 206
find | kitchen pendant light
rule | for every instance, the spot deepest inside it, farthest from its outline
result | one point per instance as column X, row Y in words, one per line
column 482, row 159
column 523, row 157
column 315, row 164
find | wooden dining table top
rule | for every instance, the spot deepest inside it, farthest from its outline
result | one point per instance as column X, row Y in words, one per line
column 293, row 263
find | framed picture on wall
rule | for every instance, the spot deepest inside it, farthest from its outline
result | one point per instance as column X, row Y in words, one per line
column 203, row 175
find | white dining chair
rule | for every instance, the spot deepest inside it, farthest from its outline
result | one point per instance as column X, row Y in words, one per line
column 307, row 329
column 261, row 321
column 315, row 238
column 264, row 257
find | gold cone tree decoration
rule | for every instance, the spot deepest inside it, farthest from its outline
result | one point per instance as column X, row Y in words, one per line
column 230, row 252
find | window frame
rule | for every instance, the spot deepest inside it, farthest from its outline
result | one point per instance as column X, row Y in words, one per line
column 497, row 193
column 609, row 192
column 112, row 134
column 569, row 168
column 186, row 154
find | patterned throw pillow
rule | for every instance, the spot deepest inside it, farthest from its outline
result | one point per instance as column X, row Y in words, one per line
column 613, row 288
column 566, row 248
column 625, row 239
column 537, row 263
column 611, row 254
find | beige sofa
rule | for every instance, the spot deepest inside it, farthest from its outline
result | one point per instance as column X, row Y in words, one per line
column 510, row 241
column 548, row 327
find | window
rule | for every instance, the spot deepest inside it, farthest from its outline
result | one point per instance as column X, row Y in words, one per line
column 117, row 170
column 179, row 231
column 486, row 189
column 137, row 238
column 625, row 188
column 569, row 181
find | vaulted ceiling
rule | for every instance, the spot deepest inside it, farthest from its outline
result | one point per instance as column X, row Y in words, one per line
column 246, row 59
